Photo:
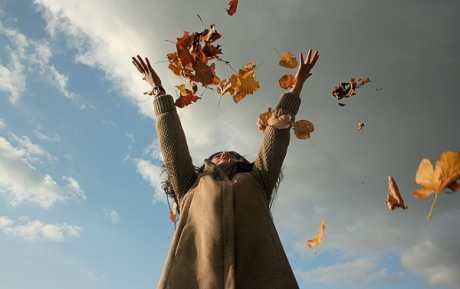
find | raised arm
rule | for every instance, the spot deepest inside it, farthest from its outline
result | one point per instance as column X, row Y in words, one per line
column 173, row 144
column 273, row 149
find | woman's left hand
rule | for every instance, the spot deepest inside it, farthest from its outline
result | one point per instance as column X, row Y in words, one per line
column 146, row 69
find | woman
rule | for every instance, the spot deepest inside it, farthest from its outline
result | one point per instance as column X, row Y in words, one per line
column 225, row 236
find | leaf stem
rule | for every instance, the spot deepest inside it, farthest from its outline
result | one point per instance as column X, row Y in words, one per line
column 432, row 206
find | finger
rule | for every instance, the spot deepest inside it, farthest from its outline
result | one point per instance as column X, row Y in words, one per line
column 148, row 64
column 308, row 60
column 141, row 61
column 315, row 58
column 137, row 64
column 301, row 57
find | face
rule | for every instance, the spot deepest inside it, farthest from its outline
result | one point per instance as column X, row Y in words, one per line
column 225, row 158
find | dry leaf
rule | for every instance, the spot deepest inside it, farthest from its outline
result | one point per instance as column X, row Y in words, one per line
column 286, row 81
column 348, row 89
column 303, row 128
column 435, row 180
column 287, row 60
column 233, row 6
column 262, row 121
column 186, row 96
column 241, row 84
column 361, row 127
column 318, row 239
column 394, row 199
column 173, row 213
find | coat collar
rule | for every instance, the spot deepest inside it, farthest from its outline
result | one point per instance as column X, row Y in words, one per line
column 217, row 173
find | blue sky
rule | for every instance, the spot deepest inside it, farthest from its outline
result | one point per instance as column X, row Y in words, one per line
column 81, row 204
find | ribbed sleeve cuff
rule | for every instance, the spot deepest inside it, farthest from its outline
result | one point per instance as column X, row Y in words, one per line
column 289, row 103
column 163, row 103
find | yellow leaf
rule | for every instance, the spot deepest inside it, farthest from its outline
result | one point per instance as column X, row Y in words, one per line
column 303, row 128
column 262, row 121
column 436, row 180
column 287, row 60
column 241, row 84
column 286, row 81
column 318, row 239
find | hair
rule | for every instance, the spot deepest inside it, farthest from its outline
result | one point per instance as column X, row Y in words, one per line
column 243, row 166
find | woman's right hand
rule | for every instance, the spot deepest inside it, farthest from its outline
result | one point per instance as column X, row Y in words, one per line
column 147, row 71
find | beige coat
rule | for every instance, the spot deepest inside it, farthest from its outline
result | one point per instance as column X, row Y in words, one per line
column 225, row 236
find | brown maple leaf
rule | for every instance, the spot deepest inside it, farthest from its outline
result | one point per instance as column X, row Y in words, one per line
column 348, row 89
column 186, row 96
column 233, row 6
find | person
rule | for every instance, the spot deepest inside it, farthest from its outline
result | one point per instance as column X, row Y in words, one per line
column 225, row 236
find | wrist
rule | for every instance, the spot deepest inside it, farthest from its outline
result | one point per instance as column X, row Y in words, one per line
column 158, row 90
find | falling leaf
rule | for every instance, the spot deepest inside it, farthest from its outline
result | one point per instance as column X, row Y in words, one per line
column 262, row 121
column 435, row 180
column 348, row 89
column 241, row 84
column 341, row 104
column 318, row 239
column 286, row 81
column 186, row 96
column 287, row 60
column 233, row 6
column 303, row 128
column 394, row 199
column 205, row 74
column 378, row 89
column 361, row 127
column 173, row 212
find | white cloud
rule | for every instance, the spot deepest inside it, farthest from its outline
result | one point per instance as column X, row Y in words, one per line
column 357, row 273
column 151, row 174
column 38, row 231
column 42, row 136
column 112, row 214
column 21, row 182
column 28, row 56
column 438, row 265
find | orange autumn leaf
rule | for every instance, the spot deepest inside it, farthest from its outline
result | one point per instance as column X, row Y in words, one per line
column 233, row 6
column 241, row 84
column 318, row 239
column 435, row 180
column 302, row 129
column 173, row 213
column 186, row 96
column 394, row 199
column 175, row 64
column 287, row 60
column 262, row 121
column 286, row 81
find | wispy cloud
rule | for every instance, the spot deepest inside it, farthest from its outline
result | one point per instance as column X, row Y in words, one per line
column 29, row 57
column 112, row 214
column 21, row 182
column 357, row 273
column 38, row 231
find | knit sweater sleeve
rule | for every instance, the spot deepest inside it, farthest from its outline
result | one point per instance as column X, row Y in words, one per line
column 173, row 145
column 273, row 149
